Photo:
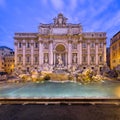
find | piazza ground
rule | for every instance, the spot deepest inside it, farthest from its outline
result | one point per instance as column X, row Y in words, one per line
column 60, row 112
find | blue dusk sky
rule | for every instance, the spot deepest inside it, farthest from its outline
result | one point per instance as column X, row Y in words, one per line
column 25, row 16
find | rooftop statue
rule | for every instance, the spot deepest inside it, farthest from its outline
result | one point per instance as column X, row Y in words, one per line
column 60, row 20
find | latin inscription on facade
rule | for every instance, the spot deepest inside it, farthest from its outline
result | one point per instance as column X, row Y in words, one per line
column 60, row 30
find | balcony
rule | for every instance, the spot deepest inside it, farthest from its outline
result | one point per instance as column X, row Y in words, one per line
column 84, row 63
column 92, row 63
column 19, row 63
column 28, row 63
column 36, row 63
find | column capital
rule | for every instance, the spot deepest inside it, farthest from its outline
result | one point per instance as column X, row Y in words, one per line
column 79, row 41
column 40, row 41
column 50, row 41
column 32, row 44
column 88, row 43
column 96, row 43
column 24, row 43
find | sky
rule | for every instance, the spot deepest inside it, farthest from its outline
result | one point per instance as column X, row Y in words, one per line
column 26, row 15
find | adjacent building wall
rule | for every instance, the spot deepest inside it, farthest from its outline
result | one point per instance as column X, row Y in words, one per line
column 115, row 51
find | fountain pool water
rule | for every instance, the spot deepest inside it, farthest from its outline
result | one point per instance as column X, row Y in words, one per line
column 49, row 89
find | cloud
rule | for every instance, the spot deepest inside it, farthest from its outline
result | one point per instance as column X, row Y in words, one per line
column 73, row 4
column 57, row 4
column 114, row 21
column 45, row 2
column 98, row 7
column 2, row 3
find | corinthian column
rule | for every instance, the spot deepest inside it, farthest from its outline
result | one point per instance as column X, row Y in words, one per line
column 24, row 54
column 15, row 54
column 51, row 53
column 96, row 53
column 104, row 53
column 69, row 52
column 40, row 53
column 32, row 53
column 80, row 54
column 80, row 51
column 88, row 49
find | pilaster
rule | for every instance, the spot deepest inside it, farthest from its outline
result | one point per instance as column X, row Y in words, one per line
column 51, row 52
column 23, row 53
column 88, row 52
column 15, row 54
column 32, row 52
column 96, row 53
column 104, row 52
column 40, row 52
column 69, row 52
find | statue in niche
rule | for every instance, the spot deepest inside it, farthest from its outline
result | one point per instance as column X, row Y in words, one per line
column 59, row 58
column 46, row 58
column 46, row 46
column 74, row 59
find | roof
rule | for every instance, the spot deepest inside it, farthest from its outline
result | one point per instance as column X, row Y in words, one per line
column 116, row 33
column 1, row 47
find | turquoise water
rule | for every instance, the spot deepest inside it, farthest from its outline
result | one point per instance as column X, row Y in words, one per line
column 60, row 90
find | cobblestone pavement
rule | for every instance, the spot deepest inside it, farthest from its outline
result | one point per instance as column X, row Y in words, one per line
column 60, row 112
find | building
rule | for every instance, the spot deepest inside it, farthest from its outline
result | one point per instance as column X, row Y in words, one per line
column 6, row 59
column 108, row 56
column 115, row 51
column 60, row 45
column 9, row 62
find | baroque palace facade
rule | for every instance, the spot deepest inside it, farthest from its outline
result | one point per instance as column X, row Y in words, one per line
column 60, row 45
column 115, row 51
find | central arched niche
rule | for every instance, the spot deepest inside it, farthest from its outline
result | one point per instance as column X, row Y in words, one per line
column 60, row 50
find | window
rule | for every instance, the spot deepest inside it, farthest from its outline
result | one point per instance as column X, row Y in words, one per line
column 84, row 45
column 36, row 59
column 92, row 45
column 36, row 45
column 19, row 59
column 100, row 58
column 28, row 59
column 84, row 67
column 101, row 45
column 84, row 58
column 92, row 58
column 28, row 45
column 20, row 45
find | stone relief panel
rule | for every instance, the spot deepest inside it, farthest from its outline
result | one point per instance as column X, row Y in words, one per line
column 46, row 45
